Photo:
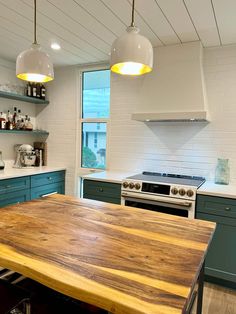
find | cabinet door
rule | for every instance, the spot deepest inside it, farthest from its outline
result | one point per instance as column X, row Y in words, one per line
column 13, row 185
column 14, row 197
column 219, row 206
column 43, row 191
column 221, row 257
column 102, row 191
column 47, row 178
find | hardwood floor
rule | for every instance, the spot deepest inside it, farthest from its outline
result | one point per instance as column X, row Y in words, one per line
column 218, row 300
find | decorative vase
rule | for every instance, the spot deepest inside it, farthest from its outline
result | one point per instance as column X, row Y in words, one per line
column 222, row 173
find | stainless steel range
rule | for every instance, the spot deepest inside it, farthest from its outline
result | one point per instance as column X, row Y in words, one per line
column 162, row 192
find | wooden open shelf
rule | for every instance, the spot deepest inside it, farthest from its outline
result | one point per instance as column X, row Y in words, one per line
column 23, row 98
column 34, row 132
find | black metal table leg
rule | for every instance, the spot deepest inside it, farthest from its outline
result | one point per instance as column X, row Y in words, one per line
column 200, row 289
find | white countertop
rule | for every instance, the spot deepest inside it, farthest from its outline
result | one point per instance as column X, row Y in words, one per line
column 212, row 189
column 10, row 172
column 108, row 176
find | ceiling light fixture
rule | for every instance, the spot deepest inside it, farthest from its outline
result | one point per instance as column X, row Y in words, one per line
column 55, row 46
column 132, row 53
column 33, row 64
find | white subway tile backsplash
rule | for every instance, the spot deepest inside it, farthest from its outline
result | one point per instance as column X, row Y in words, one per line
column 188, row 148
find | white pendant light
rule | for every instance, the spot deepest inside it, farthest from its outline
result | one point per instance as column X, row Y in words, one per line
column 33, row 64
column 132, row 53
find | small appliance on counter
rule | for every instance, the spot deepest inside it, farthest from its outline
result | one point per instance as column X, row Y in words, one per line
column 25, row 156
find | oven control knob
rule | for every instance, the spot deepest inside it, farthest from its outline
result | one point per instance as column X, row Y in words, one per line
column 131, row 185
column 190, row 193
column 137, row 186
column 182, row 192
column 125, row 184
column 174, row 191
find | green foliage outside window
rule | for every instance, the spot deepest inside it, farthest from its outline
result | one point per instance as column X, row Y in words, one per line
column 89, row 158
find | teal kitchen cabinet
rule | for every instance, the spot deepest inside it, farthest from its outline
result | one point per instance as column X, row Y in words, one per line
column 221, row 257
column 49, row 189
column 26, row 188
column 102, row 191
column 47, row 183
column 14, row 197
column 14, row 185
column 47, row 178
column 14, row 190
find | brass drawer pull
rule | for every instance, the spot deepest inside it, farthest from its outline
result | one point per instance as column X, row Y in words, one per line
column 100, row 189
column 49, row 178
column 227, row 208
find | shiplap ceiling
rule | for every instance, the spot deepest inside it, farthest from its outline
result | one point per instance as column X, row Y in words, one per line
column 85, row 29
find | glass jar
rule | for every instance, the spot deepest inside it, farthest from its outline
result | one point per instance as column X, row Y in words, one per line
column 2, row 163
column 222, row 173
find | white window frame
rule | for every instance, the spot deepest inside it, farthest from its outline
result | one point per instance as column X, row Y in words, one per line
column 84, row 170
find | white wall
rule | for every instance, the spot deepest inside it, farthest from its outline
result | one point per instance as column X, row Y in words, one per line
column 60, row 119
column 189, row 148
column 7, row 141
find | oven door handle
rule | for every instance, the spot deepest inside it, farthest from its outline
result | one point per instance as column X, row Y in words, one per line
column 157, row 199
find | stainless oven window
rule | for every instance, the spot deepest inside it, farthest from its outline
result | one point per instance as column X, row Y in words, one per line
column 157, row 208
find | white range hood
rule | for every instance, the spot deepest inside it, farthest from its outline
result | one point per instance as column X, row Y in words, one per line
column 175, row 89
column 194, row 116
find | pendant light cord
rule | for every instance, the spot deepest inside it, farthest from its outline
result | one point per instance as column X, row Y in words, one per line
column 35, row 35
column 132, row 22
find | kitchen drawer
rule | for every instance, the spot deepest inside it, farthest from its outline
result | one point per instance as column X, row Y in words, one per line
column 102, row 190
column 213, row 205
column 47, row 178
column 13, row 185
column 221, row 256
column 14, row 197
column 102, row 198
column 43, row 191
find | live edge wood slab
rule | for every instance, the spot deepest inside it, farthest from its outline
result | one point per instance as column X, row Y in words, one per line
column 122, row 259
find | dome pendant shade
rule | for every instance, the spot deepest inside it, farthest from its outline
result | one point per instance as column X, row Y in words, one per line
column 132, row 53
column 34, row 65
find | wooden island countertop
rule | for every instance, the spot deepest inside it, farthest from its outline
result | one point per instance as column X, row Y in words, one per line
column 122, row 259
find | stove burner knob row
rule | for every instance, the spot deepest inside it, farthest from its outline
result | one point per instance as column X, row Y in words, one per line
column 182, row 192
column 190, row 193
column 174, row 191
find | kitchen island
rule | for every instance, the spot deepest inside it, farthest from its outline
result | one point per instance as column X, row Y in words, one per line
column 122, row 259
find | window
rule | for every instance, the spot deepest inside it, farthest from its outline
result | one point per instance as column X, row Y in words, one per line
column 95, row 114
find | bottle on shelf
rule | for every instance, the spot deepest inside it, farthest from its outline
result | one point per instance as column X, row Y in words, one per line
column 2, row 163
column 2, row 121
column 14, row 117
column 38, row 90
column 26, row 121
column 43, row 91
column 22, row 124
column 29, row 89
column 29, row 125
column 18, row 120
column 9, row 125
column 34, row 90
